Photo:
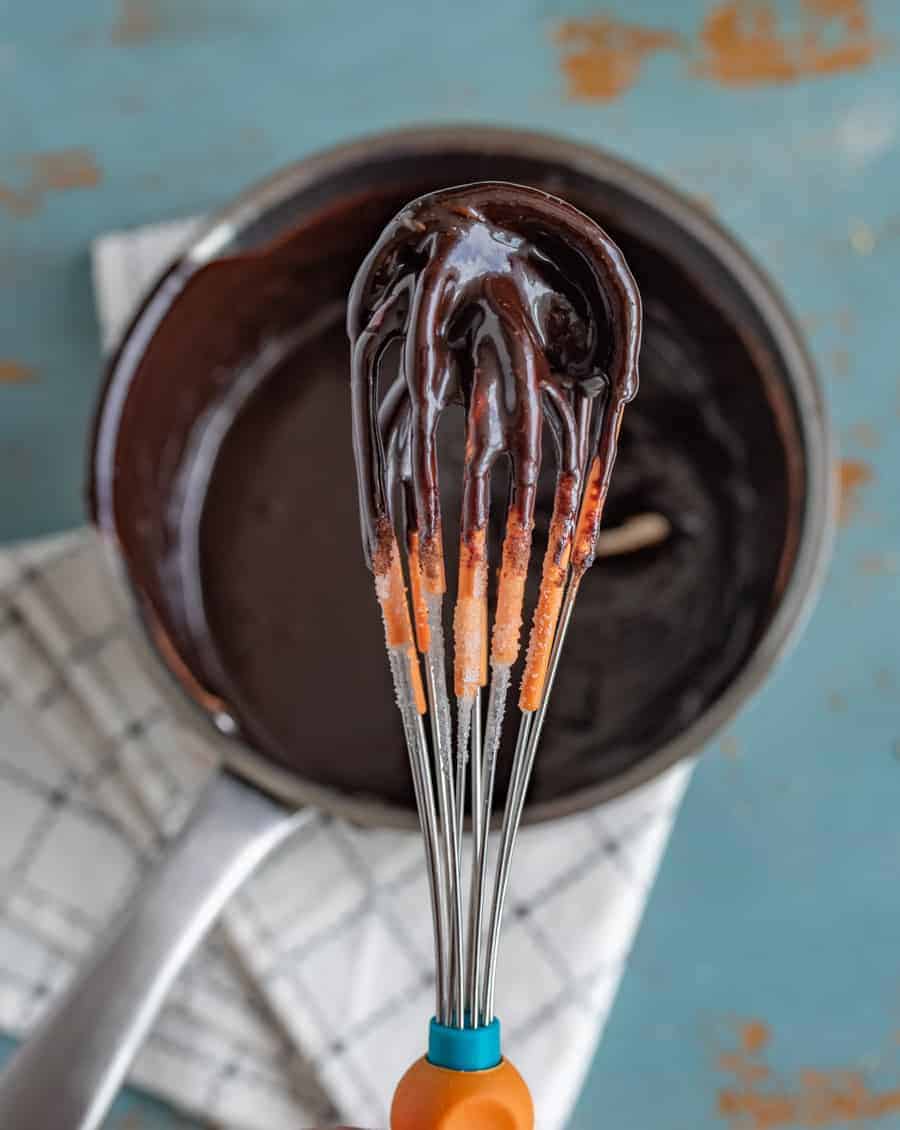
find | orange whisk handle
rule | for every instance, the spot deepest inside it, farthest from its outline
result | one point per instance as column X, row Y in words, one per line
column 462, row 1084
column 430, row 1097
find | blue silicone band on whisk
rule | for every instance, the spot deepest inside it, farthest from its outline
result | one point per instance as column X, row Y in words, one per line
column 464, row 1049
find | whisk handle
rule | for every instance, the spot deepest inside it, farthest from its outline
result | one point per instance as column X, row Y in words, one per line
column 462, row 1082
column 436, row 1098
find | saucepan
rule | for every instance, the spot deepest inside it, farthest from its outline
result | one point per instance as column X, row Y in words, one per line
column 220, row 461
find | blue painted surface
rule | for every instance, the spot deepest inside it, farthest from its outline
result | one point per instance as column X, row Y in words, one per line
column 779, row 898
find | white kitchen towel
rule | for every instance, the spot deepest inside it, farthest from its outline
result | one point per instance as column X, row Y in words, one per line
column 313, row 995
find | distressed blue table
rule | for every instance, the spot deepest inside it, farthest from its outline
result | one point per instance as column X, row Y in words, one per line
column 767, row 966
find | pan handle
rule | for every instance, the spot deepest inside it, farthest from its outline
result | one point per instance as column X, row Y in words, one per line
column 67, row 1073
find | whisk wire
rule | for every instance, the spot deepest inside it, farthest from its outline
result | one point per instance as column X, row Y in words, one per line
column 523, row 763
column 504, row 860
column 479, row 839
column 450, row 861
column 423, row 788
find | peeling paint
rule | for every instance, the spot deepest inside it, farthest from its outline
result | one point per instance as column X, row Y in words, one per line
column 602, row 57
column 62, row 170
column 758, row 1100
column 14, row 372
column 754, row 1035
column 741, row 43
column 746, row 42
column 18, row 204
column 138, row 22
column 853, row 475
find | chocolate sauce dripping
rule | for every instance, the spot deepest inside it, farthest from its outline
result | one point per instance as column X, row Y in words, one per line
column 509, row 301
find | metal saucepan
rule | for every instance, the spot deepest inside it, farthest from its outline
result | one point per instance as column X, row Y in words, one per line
column 159, row 430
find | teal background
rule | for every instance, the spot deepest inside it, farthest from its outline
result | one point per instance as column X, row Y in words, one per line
column 779, row 897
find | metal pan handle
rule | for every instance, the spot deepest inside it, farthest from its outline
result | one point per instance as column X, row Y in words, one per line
column 68, row 1072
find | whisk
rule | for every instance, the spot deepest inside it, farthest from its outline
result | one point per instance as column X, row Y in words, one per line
column 515, row 305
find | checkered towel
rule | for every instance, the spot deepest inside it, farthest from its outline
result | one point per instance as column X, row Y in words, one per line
column 313, row 994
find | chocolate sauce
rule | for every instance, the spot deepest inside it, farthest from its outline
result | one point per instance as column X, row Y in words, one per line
column 508, row 301
column 517, row 306
column 236, row 508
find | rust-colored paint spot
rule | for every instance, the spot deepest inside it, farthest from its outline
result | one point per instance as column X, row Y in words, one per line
column 745, row 42
column 738, row 1064
column 602, row 56
column 61, row 171
column 757, row 1100
column 853, row 475
column 64, row 170
column 138, row 22
column 17, row 203
column 741, row 43
column 837, row 702
column 754, row 1035
column 865, row 435
column 15, row 373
